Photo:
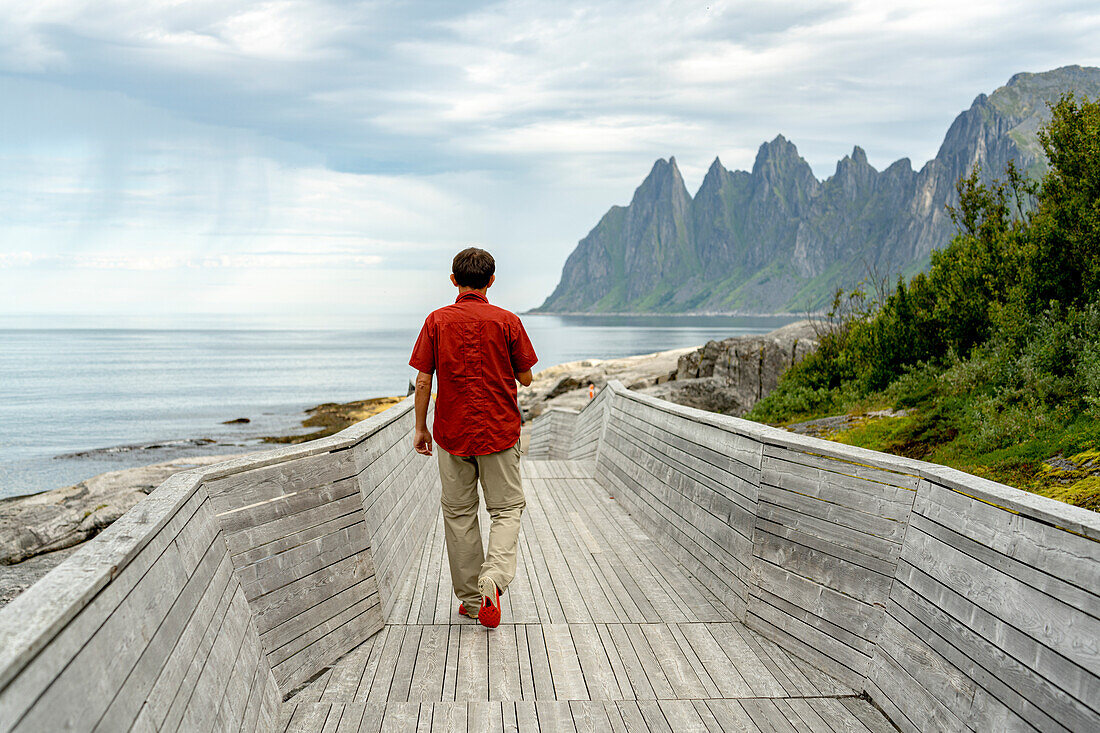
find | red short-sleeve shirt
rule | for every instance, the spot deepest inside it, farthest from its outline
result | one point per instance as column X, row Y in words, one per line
column 476, row 350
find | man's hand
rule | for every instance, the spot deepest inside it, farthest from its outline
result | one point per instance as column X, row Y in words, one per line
column 422, row 441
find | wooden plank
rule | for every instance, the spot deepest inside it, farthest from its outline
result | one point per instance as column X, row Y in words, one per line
column 400, row 717
column 898, row 657
column 731, row 716
column 276, row 571
column 998, row 679
column 406, row 660
column 247, row 488
column 473, row 664
column 825, row 568
column 212, row 679
column 766, row 716
column 589, row 716
column 555, row 715
column 509, row 722
column 373, row 713
column 751, row 668
column 346, row 674
column 542, row 677
column 122, row 637
column 1004, row 601
column 618, row 667
column 715, row 661
column 681, row 716
column 568, row 679
column 251, row 544
column 308, row 717
column 807, row 717
column 351, row 717
column 327, row 642
column 599, row 677
column 685, row 682
column 504, row 664
column 279, row 510
column 838, row 616
column 527, row 717
column 618, row 644
column 655, row 674
column 631, row 715
column 51, row 620
column 379, row 688
column 653, row 717
column 135, row 689
column 287, row 603
column 882, row 541
column 426, row 683
column 838, row 716
column 867, row 714
column 449, row 717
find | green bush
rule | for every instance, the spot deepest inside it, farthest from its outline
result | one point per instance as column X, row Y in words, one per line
column 996, row 351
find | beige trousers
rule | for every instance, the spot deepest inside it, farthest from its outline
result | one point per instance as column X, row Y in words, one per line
column 504, row 500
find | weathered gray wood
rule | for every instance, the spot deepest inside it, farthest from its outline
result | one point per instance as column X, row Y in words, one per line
column 808, row 542
column 589, row 717
column 719, row 669
column 542, row 678
column 47, row 612
column 599, row 677
column 504, row 664
column 633, row 645
column 555, row 715
column 731, row 716
column 426, row 681
column 565, row 666
column 686, row 683
column 400, row 717
column 1007, row 681
column 473, row 664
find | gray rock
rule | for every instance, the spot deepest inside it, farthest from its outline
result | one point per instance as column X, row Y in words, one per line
column 53, row 520
column 732, row 375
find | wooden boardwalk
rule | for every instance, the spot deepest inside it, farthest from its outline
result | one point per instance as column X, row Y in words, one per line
column 603, row 631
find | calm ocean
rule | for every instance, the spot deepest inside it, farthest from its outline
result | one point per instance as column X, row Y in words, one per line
column 78, row 401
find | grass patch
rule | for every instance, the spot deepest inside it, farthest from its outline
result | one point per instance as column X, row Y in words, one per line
column 332, row 417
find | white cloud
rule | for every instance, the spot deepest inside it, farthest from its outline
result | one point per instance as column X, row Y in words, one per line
column 130, row 261
column 221, row 147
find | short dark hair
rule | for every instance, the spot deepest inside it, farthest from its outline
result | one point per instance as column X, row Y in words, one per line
column 473, row 267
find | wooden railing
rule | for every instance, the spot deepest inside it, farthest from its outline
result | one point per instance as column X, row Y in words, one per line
column 954, row 602
column 208, row 602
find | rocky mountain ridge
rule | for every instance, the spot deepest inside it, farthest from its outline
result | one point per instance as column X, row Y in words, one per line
column 776, row 239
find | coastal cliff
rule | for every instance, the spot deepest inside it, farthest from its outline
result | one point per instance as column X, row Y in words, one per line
column 776, row 239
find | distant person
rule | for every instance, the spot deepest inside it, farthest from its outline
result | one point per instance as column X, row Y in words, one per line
column 591, row 391
column 477, row 352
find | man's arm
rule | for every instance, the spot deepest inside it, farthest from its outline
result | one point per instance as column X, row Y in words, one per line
column 422, row 439
column 524, row 378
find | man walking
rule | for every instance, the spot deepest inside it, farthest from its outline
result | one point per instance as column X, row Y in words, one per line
column 477, row 352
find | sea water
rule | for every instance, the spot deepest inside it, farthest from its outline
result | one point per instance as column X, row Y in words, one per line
column 78, row 398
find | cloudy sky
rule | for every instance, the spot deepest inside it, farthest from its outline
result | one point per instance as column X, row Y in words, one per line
column 322, row 157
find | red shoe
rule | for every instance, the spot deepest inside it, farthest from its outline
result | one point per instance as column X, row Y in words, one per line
column 489, row 613
column 463, row 612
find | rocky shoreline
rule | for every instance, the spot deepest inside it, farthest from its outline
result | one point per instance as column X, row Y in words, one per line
column 727, row 376
column 38, row 531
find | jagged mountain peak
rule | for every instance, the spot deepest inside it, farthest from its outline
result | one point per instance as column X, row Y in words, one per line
column 664, row 181
column 777, row 239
